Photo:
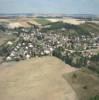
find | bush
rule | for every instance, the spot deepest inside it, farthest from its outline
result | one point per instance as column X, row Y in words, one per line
column 85, row 87
column 74, row 76
column 95, row 97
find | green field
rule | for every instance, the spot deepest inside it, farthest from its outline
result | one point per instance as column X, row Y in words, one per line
column 91, row 27
column 42, row 21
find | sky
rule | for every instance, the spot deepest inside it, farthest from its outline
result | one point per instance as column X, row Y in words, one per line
column 50, row 6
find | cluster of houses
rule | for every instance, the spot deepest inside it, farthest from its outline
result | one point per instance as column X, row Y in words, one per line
column 35, row 43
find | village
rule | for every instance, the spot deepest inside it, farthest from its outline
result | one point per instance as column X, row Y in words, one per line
column 33, row 43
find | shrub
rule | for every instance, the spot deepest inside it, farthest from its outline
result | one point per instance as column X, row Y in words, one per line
column 95, row 97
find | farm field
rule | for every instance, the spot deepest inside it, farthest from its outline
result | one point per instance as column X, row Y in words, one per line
column 27, row 79
column 85, row 83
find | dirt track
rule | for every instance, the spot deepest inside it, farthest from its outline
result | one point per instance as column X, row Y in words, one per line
column 36, row 79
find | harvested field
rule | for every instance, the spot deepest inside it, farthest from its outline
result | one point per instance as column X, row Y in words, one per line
column 35, row 79
column 68, row 20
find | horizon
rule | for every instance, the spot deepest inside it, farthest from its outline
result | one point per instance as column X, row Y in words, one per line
column 49, row 7
column 47, row 14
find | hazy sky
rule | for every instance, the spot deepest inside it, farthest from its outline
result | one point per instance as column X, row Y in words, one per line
column 50, row 6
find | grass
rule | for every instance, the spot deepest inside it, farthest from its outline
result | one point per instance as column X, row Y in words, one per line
column 42, row 21
column 84, row 82
column 91, row 27
column 5, row 38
